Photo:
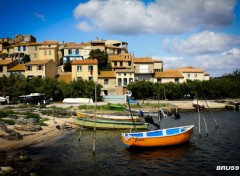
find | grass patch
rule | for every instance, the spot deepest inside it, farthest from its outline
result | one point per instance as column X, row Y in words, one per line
column 7, row 113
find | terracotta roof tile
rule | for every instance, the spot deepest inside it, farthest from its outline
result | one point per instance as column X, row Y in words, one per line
column 19, row 67
column 107, row 74
column 118, row 58
column 5, row 62
column 190, row 69
column 169, row 74
column 85, row 62
column 143, row 60
column 124, row 71
column 35, row 62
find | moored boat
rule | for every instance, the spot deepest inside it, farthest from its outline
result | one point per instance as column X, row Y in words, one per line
column 116, row 107
column 198, row 104
column 108, row 117
column 108, row 124
column 158, row 138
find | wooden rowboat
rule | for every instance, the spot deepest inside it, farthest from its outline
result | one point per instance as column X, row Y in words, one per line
column 109, row 117
column 108, row 124
column 158, row 138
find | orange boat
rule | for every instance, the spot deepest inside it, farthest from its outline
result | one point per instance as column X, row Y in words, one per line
column 158, row 138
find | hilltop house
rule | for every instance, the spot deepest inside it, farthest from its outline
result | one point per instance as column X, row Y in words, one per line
column 5, row 65
column 41, row 69
column 85, row 69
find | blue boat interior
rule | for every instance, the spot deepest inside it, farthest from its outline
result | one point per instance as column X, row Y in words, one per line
column 157, row 133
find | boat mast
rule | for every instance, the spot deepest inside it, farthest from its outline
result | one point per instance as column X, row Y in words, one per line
column 94, row 131
column 159, row 115
column 199, row 118
column 131, row 113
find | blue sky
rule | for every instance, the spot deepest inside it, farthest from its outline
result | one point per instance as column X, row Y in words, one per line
column 201, row 33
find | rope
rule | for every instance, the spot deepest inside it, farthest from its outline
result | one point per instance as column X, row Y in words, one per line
column 205, row 124
column 131, row 113
column 216, row 125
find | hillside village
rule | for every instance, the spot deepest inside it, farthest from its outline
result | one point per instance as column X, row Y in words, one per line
column 48, row 57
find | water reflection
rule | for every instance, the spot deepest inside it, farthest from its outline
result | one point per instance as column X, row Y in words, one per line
column 165, row 153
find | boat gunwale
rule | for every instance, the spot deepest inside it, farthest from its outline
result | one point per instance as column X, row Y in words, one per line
column 97, row 120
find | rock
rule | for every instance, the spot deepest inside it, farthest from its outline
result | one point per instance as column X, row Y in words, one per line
column 21, row 121
column 32, row 128
column 6, row 170
column 31, row 121
column 8, row 161
column 24, row 158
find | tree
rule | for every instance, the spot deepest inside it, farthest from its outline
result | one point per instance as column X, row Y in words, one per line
column 26, row 58
column 102, row 58
column 67, row 67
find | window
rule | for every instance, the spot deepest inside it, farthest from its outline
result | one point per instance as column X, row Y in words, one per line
column 69, row 51
column 121, row 63
column 195, row 75
column 119, row 81
column 29, row 76
column 90, row 68
column 115, row 64
column 159, row 80
column 49, row 52
column 19, row 48
column 79, row 68
column 79, row 78
column 90, row 78
column 39, row 76
column 24, row 48
column 45, row 52
column 129, row 63
column 125, row 74
column 28, row 67
column 35, row 47
column 125, row 81
column 40, row 67
column 1, row 68
column 77, row 51
column 188, row 75
column 105, row 81
column 176, row 80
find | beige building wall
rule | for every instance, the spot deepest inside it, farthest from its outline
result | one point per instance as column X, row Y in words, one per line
column 81, row 70
column 42, row 69
column 5, row 65
column 124, row 77
column 49, row 50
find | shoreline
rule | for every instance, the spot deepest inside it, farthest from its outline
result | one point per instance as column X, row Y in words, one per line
column 50, row 132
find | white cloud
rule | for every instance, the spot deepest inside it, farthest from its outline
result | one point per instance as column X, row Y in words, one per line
column 41, row 16
column 165, row 17
column 225, row 62
column 205, row 42
column 84, row 26
column 172, row 62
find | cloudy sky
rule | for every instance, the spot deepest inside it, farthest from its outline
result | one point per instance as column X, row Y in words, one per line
column 201, row 33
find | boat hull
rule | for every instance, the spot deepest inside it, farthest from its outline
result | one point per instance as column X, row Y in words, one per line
column 108, row 124
column 149, row 139
column 109, row 117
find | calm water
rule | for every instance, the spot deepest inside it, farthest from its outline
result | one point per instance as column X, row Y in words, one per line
column 67, row 156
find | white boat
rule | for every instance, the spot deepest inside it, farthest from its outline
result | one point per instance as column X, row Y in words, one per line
column 108, row 117
column 77, row 100
column 3, row 99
